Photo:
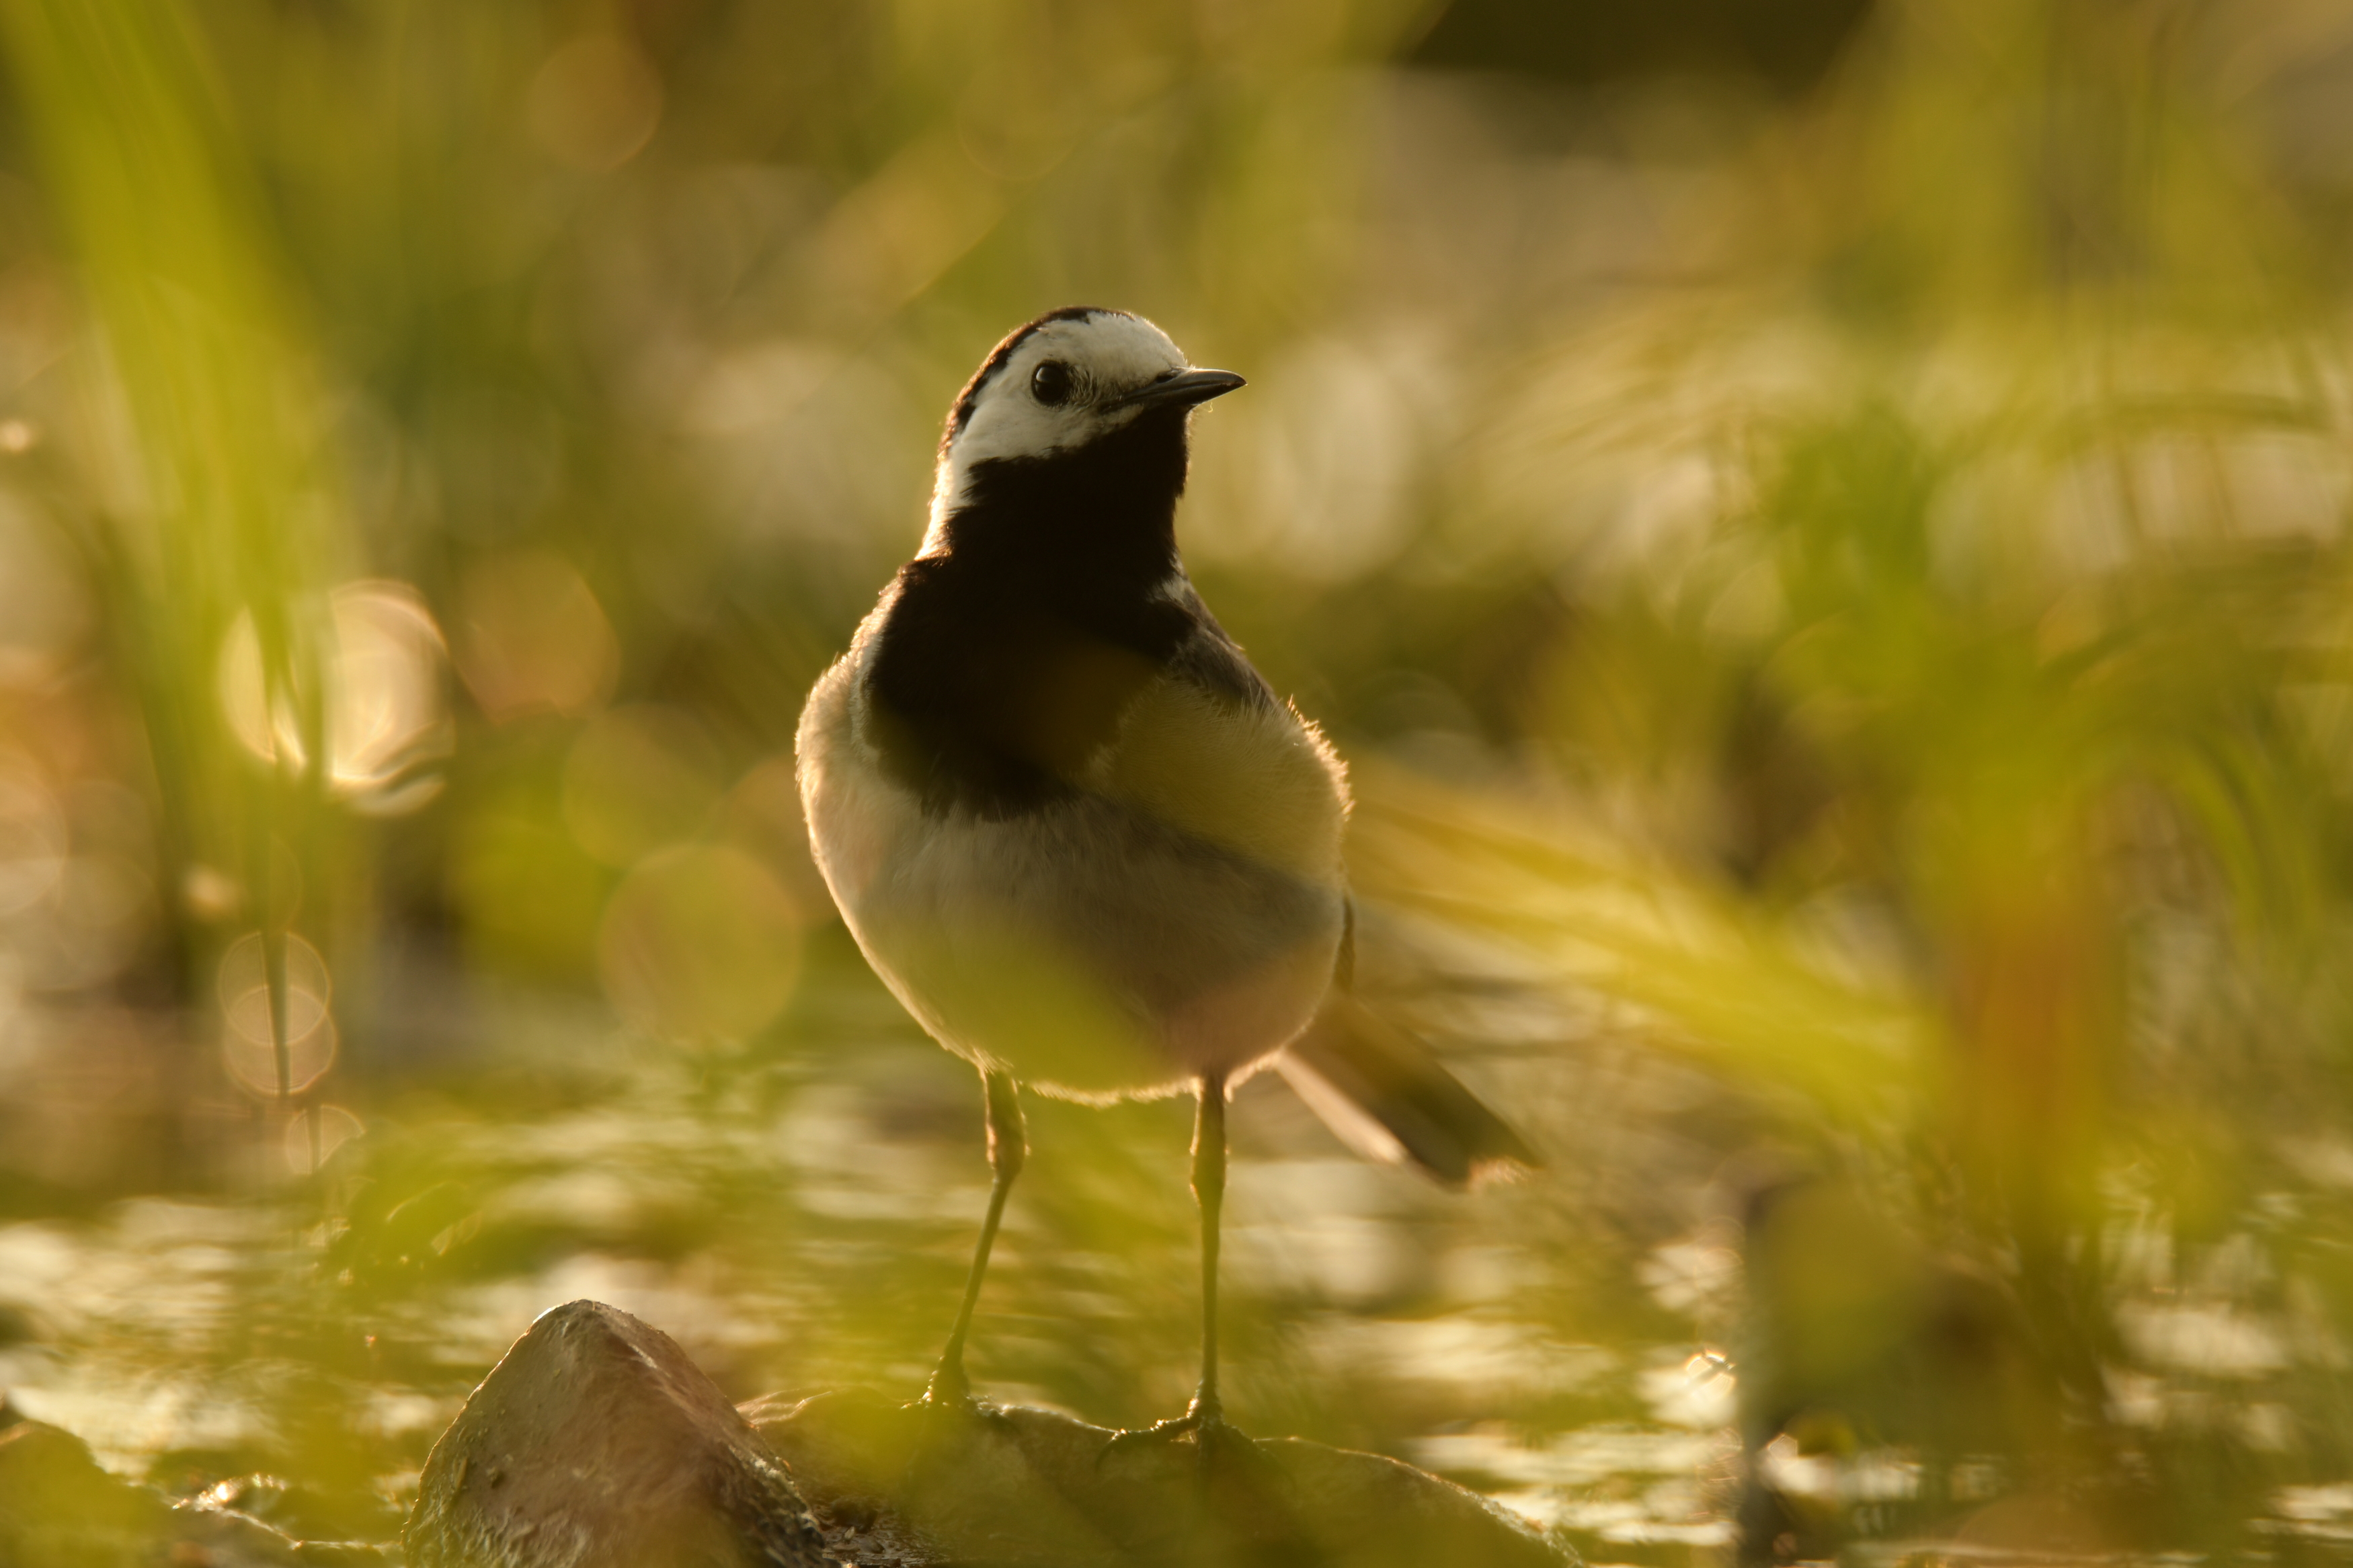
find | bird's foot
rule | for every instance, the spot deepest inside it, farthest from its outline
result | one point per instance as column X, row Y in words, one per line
column 946, row 1418
column 949, row 1396
column 1244, row 1503
column 949, row 1389
column 1218, row 1443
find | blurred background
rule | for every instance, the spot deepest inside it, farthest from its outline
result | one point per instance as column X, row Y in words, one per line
column 1821, row 524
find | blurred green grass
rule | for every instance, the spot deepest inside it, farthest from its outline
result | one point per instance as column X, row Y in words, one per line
column 1823, row 534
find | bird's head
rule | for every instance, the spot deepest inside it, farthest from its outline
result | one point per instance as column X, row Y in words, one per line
column 1092, row 395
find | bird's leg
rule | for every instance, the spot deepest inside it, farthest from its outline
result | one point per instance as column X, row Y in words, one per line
column 1210, row 1192
column 1008, row 1146
column 1206, row 1416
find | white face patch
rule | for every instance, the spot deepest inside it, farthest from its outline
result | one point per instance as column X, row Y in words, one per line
column 1107, row 354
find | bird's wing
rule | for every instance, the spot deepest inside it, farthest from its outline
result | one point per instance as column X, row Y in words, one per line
column 1258, row 783
column 1229, row 765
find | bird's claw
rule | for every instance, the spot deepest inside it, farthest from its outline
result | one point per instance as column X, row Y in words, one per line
column 948, row 1388
column 1131, row 1439
column 935, row 1406
column 1215, row 1439
column 945, row 1413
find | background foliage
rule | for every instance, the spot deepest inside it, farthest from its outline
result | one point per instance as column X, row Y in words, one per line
column 1821, row 527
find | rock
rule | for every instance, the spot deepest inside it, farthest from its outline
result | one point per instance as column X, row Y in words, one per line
column 205, row 1537
column 60, row 1509
column 56, row 1500
column 342, row 1555
column 595, row 1442
column 901, row 1487
column 298, row 1507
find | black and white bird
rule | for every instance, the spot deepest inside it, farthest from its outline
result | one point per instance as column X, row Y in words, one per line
column 1073, row 830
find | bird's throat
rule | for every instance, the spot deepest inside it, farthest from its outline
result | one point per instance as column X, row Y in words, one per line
column 1098, row 521
column 1006, row 659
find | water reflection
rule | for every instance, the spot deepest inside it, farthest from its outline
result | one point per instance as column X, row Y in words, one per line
column 1620, row 1485
column 1703, row 1390
column 612, row 1200
column 738, row 1212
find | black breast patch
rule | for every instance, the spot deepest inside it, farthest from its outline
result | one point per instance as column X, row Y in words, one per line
column 989, row 703
column 1004, row 663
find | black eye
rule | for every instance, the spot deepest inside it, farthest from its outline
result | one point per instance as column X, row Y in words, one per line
column 1050, row 384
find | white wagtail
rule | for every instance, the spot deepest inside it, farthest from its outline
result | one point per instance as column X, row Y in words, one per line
column 1072, row 828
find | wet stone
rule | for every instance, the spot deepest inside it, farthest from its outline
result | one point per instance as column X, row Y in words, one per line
column 60, row 1509
column 896, row 1486
column 596, row 1443
column 238, row 1481
column 56, row 1500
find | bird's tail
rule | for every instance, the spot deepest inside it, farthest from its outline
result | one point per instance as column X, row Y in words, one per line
column 1385, row 1096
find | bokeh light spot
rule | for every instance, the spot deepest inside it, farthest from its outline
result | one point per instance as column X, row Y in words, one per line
column 763, row 814
column 385, row 712
column 91, row 925
column 595, row 102
column 254, row 1063
column 246, row 1045
column 638, row 778
column 699, row 942
column 32, row 836
column 45, row 609
column 529, row 895
column 533, row 638
column 313, row 1136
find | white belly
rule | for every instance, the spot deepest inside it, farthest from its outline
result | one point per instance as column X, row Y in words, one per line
column 1092, row 948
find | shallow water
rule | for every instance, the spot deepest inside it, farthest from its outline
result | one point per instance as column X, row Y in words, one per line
column 800, row 1219
column 799, row 1216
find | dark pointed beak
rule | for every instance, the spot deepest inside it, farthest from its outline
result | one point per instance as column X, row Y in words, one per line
column 1186, row 387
